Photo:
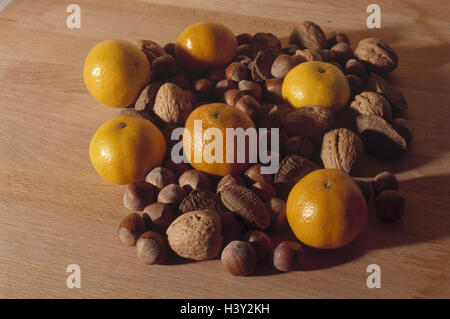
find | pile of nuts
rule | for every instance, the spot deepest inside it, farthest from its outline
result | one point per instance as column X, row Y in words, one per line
column 200, row 216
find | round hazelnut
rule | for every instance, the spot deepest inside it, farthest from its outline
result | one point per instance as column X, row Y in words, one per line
column 222, row 87
column 287, row 256
column 243, row 49
column 243, row 38
column 252, row 88
column 384, row 181
column 172, row 195
column 151, row 248
column 138, row 195
column 249, row 105
column 231, row 96
column 284, row 63
column 160, row 177
column 253, row 175
column 300, row 145
column 403, row 128
column 164, row 66
column 262, row 244
column 232, row 227
column 239, row 258
column 273, row 90
column 176, row 168
column 277, row 209
column 229, row 179
column 130, row 228
column 264, row 190
column 390, row 206
column 191, row 97
column 236, row 72
column 193, row 179
column 170, row 48
column 342, row 52
column 290, row 49
column 203, row 89
column 181, row 81
column 160, row 215
column 216, row 75
column 354, row 66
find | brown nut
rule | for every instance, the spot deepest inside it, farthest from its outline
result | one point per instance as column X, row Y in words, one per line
column 216, row 75
column 371, row 103
column 147, row 98
column 327, row 55
column 170, row 48
column 310, row 55
column 353, row 66
column 253, row 175
column 263, row 190
column 236, row 72
column 273, row 90
column 160, row 215
column 290, row 49
column 229, row 180
column 176, row 168
column 151, row 49
column 200, row 199
column 131, row 227
column 277, row 209
column 355, row 83
column 365, row 187
column 287, row 256
column 138, row 195
column 262, row 244
column 403, row 128
column 171, row 104
column 309, row 35
column 391, row 93
column 193, row 179
column 160, row 177
column 300, row 145
column 243, row 49
column 261, row 66
column 342, row 52
column 181, row 81
column 221, row 89
column 196, row 235
column 233, row 228
column 244, row 59
column 384, row 181
column 243, row 38
column 203, row 89
column 172, row 194
column 239, row 258
column 264, row 42
column 151, row 248
column 249, row 105
column 252, row 88
column 377, row 55
column 284, row 63
column 231, row 96
column 164, row 66
column 390, row 206
column 191, row 97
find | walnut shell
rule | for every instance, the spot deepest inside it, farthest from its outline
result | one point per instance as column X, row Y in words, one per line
column 242, row 201
column 147, row 98
column 377, row 55
column 341, row 149
column 311, row 121
column 171, row 104
column 388, row 91
column 309, row 35
column 371, row 103
column 261, row 66
column 264, row 41
column 309, row 55
column 292, row 168
column 150, row 48
column 202, row 199
column 196, row 235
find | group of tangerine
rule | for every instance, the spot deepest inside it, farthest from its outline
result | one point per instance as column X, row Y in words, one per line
column 325, row 209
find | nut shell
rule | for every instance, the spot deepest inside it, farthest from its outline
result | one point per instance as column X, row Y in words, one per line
column 309, row 35
column 171, row 104
column 196, row 235
column 200, row 199
column 377, row 55
column 379, row 85
column 371, row 103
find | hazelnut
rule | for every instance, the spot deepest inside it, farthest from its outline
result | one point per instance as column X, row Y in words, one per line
column 252, row 88
column 216, row 75
column 231, row 96
column 222, row 87
column 229, row 179
column 233, row 228
column 390, row 206
column 249, row 105
column 181, row 80
column 191, row 97
column 160, row 215
column 284, row 63
column 138, row 195
column 342, row 52
column 236, row 72
column 176, row 168
column 203, row 89
column 262, row 244
column 243, row 49
column 300, row 145
column 384, row 181
column 290, row 49
column 253, row 175
column 172, row 195
column 365, row 187
column 151, row 248
column 170, row 48
column 160, row 177
column 264, row 190
column 243, row 38
column 131, row 227
column 244, row 59
column 193, row 179
column 287, row 256
column 239, row 258
column 277, row 209
column 164, row 66
column 273, row 90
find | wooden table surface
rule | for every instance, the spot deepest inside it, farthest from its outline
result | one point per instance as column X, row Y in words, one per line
column 55, row 210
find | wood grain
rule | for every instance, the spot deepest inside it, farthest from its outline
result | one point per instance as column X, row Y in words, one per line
column 56, row 211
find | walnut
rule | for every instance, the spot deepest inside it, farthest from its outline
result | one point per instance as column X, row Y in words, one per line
column 388, row 91
column 171, row 104
column 310, row 36
column 377, row 55
column 264, row 41
column 371, row 103
column 151, row 49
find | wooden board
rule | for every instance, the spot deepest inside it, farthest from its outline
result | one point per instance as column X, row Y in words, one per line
column 55, row 210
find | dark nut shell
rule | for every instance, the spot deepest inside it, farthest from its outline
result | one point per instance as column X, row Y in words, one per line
column 151, row 49
column 288, row 256
column 353, row 66
column 203, row 89
column 264, row 41
column 273, row 90
column 300, row 145
column 229, row 180
column 309, row 35
column 252, row 88
column 236, row 72
column 261, row 66
column 202, row 199
column 371, row 103
column 391, row 93
column 342, row 52
column 160, row 216
column 164, row 66
column 284, row 63
column 253, row 175
column 365, row 187
column 193, row 179
column 243, row 38
column 263, row 190
column 355, row 83
column 309, row 55
column 223, row 87
column 403, row 128
column 277, row 209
